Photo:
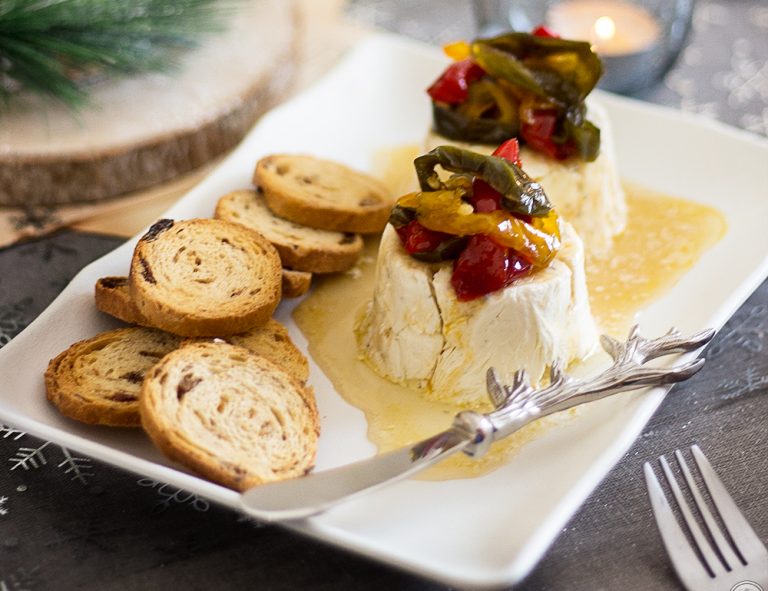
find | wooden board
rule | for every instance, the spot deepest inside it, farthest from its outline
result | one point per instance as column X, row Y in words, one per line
column 141, row 131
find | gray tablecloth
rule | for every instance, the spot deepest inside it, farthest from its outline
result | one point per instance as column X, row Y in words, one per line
column 69, row 522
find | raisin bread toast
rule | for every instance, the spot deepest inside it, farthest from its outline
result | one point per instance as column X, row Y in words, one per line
column 300, row 247
column 323, row 194
column 98, row 380
column 271, row 341
column 204, row 277
column 113, row 296
column 295, row 283
column 230, row 415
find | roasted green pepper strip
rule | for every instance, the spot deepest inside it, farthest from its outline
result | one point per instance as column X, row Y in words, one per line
column 520, row 194
column 526, row 73
column 505, row 66
column 401, row 216
column 585, row 134
column 561, row 70
column 489, row 115
column 455, row 125
column 448, row 249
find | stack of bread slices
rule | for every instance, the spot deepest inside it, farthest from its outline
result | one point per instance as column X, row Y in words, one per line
column 212, row 378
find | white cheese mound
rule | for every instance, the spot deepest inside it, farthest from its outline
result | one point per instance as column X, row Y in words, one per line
column 587, row 194
column 416, row 332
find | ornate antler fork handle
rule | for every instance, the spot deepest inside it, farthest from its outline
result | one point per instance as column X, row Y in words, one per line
column 515, row 405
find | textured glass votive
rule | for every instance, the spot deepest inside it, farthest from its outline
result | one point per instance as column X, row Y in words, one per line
column 638, row 40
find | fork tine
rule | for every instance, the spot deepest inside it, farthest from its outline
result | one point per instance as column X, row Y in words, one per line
column 726, row 551
column 745, row 538
column 687, row 565
column 707, row 553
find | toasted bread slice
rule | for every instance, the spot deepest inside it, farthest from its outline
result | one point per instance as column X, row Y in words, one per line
column 295, row 283
column 230, row 415
column 113, row 297
column 204, row 277
column 323, row 194
column 113, row 294
column 271, row 341
column 98, row 380
column 300, row 247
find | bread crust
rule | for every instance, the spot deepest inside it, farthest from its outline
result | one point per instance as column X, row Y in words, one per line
column 267, row 432
column 97, row 380
column 296, row 283
column 272, row 342
column 301, row 247
column 204, row 277
column 323, row 194
column 113, row 296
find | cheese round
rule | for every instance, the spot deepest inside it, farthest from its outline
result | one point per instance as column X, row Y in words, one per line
column 415, row 332
column 587, row 194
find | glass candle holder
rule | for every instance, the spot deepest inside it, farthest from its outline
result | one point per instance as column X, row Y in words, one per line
column 638, row 40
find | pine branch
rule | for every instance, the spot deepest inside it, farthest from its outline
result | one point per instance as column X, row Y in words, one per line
column 49, row 47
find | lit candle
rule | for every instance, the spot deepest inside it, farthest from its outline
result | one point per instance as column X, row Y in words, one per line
column 623, row 34
column 613, row 28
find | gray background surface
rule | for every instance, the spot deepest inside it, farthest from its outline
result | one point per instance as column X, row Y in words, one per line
column 68, row 522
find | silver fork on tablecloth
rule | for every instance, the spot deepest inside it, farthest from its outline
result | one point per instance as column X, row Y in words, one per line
column 709, row 558
column 515, row 406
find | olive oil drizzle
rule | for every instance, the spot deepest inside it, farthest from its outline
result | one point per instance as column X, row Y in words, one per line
column 664, row 237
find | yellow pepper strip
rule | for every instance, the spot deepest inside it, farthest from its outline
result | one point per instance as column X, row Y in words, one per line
column 458, row 50
column 445, row 211
column 507, row 108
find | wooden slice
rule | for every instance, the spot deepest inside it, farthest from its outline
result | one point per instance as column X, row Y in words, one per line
column 144, row 130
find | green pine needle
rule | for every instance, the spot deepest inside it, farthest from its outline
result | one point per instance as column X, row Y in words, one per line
column 48, row 46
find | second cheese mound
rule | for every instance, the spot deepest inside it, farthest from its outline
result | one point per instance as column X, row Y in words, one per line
column 416, row 332
column 587, row 194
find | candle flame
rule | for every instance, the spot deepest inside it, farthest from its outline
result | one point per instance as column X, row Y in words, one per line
column 604, row 28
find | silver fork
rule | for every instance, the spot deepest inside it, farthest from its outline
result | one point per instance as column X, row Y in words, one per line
column 712, row 558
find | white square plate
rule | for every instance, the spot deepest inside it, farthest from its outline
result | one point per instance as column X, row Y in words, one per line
column 487, row 531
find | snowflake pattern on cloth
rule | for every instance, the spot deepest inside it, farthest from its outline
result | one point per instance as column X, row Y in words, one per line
column 12, row 319
column 722, row 74
column 32, row 458
column 170, row 495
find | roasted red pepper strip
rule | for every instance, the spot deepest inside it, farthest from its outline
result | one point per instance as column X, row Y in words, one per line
column 509, row 150
column 484, row 198
column 543, row 31
column 537, row 127
column 485, row 266
column 453, row 84
column 418, row 239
